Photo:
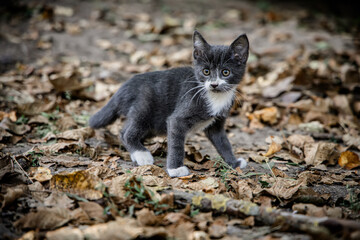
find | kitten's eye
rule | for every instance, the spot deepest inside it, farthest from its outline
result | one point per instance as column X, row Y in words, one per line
column 225, row 72
column 206, row 72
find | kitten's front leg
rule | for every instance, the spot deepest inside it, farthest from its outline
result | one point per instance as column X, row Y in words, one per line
column 176, row 133
column 217, row 135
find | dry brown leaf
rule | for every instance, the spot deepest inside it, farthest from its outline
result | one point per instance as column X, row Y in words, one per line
column 38, row 106
column 57, row 147
column 41, row 174
column 273, row 148
column 349, row 160
column 46, row 218
column 5, row 164
column 12, row 193
column 69, row 79
column 314, row 211
column 64, row 160
column 116, row 185
column 300, row 140
column 217, row 229
column 13, row 127
column 278, row 173
column 317, row 153
column 244, row 190
column 58, row 199
column 73, row 134
column 207, row 185
column 128, row 229
column 11, row 115
column 284, row 188
column 94, row 211
column 81, row 183
column 100, row 91
column 38, row 191
column 65, row 233
column 152, row 170
column 65, row 123
column 145, row 217
column 268, row 115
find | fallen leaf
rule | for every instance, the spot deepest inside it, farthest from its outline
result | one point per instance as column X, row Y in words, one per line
column 94, row 211
column 314, row 211
column 81, row 183
column 116, row 185
column 273, row 148
column 65, row 233
column 45, row 218
column 38, row 106
column 5, row 164
column 12, row 194
column 59, row 200
column 284, row 188
column 207, row 185
column 128, row 229
column 317, row 153
column 64, row 160
column 349, row 160
column 268, row 115
column 60, row 147
column 152, row 170
column 73, row 134
column 65, row 123
column 11, row 115
column 217, row 229
column 244, row 190
column 145, row 217
column 40, row 174
column 300, row 140
column 14, row 128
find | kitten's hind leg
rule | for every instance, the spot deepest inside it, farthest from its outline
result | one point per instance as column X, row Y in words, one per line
column 131, row 137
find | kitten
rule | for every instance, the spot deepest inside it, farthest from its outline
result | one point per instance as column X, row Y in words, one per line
column 179, row 101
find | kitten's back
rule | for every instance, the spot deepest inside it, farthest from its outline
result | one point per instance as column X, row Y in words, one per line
column 157, row 90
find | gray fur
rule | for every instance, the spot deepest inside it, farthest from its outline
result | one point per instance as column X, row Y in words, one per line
column 175, row 101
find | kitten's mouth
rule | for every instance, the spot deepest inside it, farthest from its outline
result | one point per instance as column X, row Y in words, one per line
column 215, row 90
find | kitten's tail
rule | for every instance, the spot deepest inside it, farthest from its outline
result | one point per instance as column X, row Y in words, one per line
column 110, row 112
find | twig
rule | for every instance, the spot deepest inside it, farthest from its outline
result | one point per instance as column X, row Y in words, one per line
column 27, row 175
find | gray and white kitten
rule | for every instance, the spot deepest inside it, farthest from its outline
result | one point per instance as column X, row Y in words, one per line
column 179, row 101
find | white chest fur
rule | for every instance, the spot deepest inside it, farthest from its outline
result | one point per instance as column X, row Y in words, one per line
column 219, row 101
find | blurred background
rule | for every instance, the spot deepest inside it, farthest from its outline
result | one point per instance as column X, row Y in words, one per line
column 60, row 61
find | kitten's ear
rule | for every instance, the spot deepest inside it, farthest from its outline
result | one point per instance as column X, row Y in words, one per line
column 240, row 49
column 200, row 45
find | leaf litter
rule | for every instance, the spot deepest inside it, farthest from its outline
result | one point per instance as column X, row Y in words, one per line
column 297, row 125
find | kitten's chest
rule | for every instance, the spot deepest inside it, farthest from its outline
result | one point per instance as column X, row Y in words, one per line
column 202, row 125
column 217, row 102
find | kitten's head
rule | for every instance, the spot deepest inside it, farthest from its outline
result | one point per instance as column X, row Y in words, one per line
column 220, row 68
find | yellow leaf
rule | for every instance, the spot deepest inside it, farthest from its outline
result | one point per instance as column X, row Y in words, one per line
column 81, row 183
column 273, row 148
column 349, row 160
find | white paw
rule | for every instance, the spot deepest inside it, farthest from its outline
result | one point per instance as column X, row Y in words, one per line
column 243, row 162
column 142, row 158
column 178, row 172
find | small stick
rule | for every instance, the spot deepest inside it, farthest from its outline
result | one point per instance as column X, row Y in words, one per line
column 21, row 168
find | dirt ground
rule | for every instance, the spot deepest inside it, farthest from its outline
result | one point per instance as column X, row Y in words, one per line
column 296, row 120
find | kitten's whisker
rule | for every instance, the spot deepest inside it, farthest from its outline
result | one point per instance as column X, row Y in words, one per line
column 201, row 94
column 190, row 91
column 196, row 93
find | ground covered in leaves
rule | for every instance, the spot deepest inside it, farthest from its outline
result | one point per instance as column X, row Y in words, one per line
column 296, row 123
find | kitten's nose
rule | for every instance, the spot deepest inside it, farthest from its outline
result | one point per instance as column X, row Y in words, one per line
column 214, row 85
